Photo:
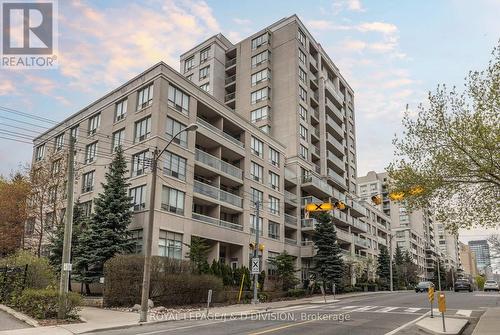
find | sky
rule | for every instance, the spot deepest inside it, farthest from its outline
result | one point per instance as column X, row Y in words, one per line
column 392, row 53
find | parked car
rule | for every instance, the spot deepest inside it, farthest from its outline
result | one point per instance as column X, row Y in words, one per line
column 423, row 286
column 463, row 285
column 490, row 285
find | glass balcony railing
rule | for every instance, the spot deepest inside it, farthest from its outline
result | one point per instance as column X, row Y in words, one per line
column 308, row 223
column 219, row 132
column 291, row 241
column 334, row 108
column 218, row 164
column 290, row 219
column 337, row 161
column 335, row 176
column 361, row 242
column 344, row 235
column 318, row 182
column 230, row 62
column 230, row 80
column 216, row 222
column 217, row 194
column 337, row 145
column 289, row 196
column 229, row 97
column 310, row 200
column 335, row 126
column 290, row 175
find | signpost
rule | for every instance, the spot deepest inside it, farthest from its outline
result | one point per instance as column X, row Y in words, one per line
column 431, row 299
column 209, row 299
column 255, row 266
column 442, row 307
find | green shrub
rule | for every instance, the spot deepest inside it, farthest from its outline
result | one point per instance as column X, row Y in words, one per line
column 43, row 303
column 296, row 292
column 40, row 274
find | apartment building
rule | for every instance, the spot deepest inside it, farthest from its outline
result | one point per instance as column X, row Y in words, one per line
column 468, row 261
column 276, row 126
column 448, row 244
column 482, row 251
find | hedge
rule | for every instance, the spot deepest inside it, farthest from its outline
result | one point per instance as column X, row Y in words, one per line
column 172, row 282
column 43, row 303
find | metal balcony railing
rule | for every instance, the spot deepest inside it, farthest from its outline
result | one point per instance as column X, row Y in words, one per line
column 230, row 62
column 289, row 196
column 318, row 182
column 216, row 222
column 290, row 219
column 218, row 164
column 230, row 79
column 219, row 132
column 229, row 97
column 217, row 193
column 291, row 241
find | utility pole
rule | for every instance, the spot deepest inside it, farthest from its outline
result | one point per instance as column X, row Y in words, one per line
column 439, row 274
column 256, row 251
column 390, row 263
column 68, row 232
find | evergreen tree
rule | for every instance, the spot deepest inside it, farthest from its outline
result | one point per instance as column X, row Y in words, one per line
column 397, row 267
column 198, row 250
column 328, row 262
column 383, row 270
column 410, row 270
column 285, row 270
column 106, row 234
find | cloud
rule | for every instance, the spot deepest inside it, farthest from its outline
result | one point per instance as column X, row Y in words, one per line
column 354, row 45
column 6, row 87
column 242, row 22
column 349, row 5
column 381, row 27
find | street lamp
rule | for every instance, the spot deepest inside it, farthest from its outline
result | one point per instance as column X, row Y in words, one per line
column 149, row 236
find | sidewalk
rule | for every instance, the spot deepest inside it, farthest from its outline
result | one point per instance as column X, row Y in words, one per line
column 489, row 323
column 100, row 319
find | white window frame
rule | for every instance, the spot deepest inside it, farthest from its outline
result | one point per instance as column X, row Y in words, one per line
column 301, row 37
column 302, row 57
column 178, row 99
column 138, row 195
column 303, row 132
column 302, row 93
column 260, row 76
column 121, row 110
column 260, row 58
column 274, row 157
column 118, row 139
column 274, row 181
column 189, row 64
column 174, row 126
column 260, row 41
column 40, row 152
column 302, row 113
column 257, row 146
column 142, row 129
column 204, row 55
column 205, row 87
column 259, row 114
column 256, row 172
column 88, row 181
column 175, row 166
column 59, row 142
column 260, row 95
column 173, row 200
column 170, row 244
column 94, row 123
column 90, row 152
column 204, row 72
column 303, row 152
column 274, row 205
column 145, row 96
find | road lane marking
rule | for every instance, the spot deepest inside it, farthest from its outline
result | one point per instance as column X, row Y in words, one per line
column 412, row 309
column 394, row 331
column 282, row 327
column 348, row 307
column 180, row 328
column 364, row 309
column 386, row 309
column 464, row 312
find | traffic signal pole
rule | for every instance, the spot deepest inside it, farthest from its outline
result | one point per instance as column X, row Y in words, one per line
column 256, row 251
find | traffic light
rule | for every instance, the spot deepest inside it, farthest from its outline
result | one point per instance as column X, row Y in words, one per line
column 376, row 199
column 261, row 247
column 251, row 245
column 397, row 196
column 416, row 190
column 339, row 205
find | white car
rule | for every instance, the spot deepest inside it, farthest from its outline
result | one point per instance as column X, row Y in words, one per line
column 491, row 285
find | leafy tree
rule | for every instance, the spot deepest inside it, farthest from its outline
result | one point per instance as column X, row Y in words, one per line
column 383, row 270
column 198, row 251
column 328, row 263
column 451, row 150
column 285, row 270
column 106, row 234
column 480, row 282
column 410, row 270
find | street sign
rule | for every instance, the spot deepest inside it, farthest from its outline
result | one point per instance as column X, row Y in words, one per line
column 442, row 302
column 255, row 266
column 67, row 266
column 431, row 294
column 324, row 207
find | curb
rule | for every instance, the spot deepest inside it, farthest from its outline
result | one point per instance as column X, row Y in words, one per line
column 20, row 316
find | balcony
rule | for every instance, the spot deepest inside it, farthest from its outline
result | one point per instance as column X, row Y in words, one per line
column 290, row 220
column 218, row 164
column 217, row 194
column 338, row 179
column 216, row 222
column 335, row 144
column 344, row 235
column 290, row 197
column 313, row 62
column 230, row 63
column 315, row 131
column 334, row 125
column 312, row 183
column 291, row 241
column 229, row 97
column 339, row 163
column 308, row 224
column 339, row 97
column 359, row 225
column 307, row 249
column 230, row 80
column 315, row 150
column 336, row 112
column 219, row 132
column 357, row 208
column 290, row 176
column 382, row 240
column 361, row 242
column 311, row 200
column 314, row 113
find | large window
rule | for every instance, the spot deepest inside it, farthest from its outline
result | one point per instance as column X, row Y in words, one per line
column 88, row 181
column 301, row 37
column 204, row 72
column 303, row 132
column 260, row 76
column 86, row 208
column 204, row 55
column 59, row 142
column 145, row 96
column 302, row 113
column 260, row 95
column 257, row 146
column 175, row 166
column 138, row 195
column 303, row 152
column 274, row 157
column 302, row 57
column 94, row 122
column 172, row 200
column 259, row 114
column 90, row 152
column 274, row 181
column 302, row 75
column 253, row 224
column 260, row 58
column 136, row 238
column 39, row 152
column 261, row 40
column 302, row 93
column 142, row 129
column 189, row 64
column 139, row 163
column 170, row 244
column 56, row 167
column 274, row 205
column 178, row 100
column 173, row 127
column 118, row 139
column 74, row 132
column 273, row 230
column 120, row 110
column 256, row 171
column 272, row 270
column 257, row 196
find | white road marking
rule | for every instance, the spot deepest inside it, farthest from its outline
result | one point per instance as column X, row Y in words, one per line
column 364, row 309
column 348, row 307
column 386, row 309
column 392, row 332
column 464, row 312
column 412, row 309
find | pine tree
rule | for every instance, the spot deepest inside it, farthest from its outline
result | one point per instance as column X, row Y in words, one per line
column 383, row 270
column 285, row 270
column 107, row 234
column 398, row 271
column 410, row 270
column 198, row 250
column 328, row 262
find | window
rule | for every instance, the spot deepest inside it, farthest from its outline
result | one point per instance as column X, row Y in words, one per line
column 204, row 55
column 302, row 75
column 259, row 114
column 273, row 230
column 302, row 57
column 260, row 95
column 175, row 166
column 274, row 181
column 136, row 238
column 86, row 208
column 173, row 127
column 90, row 152
column 142, row 129
column 74, row 132
column 261, row 40
column 303, row 132
column 274, row 205
column 303, row 152
column 138, row 195
column 204, row 72
column 94, row 122
column 257, row 196
column 205, row 87
column 178, row 100
column 256, row 171
column 59, row 142
column 301, row 37
column 145, row 97
column 257, row 147
column 88, row 182
column 271, row 268
column 139, row 163
column 260, row 76
column 260, row 58
column 170, row 244
column 56, row 167
column 253, row 224
column 172, row 200
column 120, row 110
column 118, row 139
column 189, row 64
column 274, row 157
column 303, row 113
column 302, row 93
column 40, row 152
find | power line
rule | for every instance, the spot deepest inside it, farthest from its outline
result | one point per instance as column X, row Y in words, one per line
column 35, row 117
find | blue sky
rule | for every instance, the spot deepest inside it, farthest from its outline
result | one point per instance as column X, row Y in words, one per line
column 391, row 52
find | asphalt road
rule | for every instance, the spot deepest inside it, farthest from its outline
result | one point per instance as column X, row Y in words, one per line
column 8, row 322
column 370, row 315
